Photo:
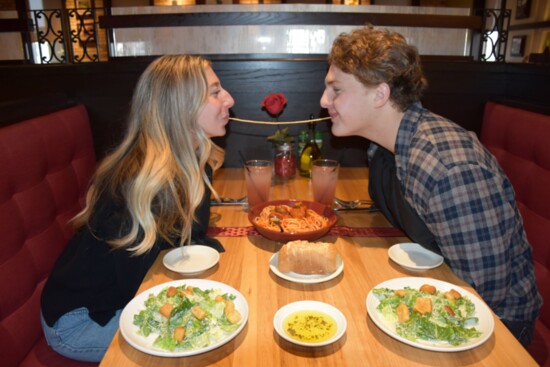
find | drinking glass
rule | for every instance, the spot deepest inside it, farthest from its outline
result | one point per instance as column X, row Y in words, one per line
column 324, row 174
column 257, row 174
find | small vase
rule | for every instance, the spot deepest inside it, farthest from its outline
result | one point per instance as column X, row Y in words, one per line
column 285, row 160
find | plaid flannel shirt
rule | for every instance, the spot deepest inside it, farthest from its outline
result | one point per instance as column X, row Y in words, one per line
column 459, row 190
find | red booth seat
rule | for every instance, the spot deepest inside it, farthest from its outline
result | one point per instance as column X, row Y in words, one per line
column 45, row 166
column 520, row 140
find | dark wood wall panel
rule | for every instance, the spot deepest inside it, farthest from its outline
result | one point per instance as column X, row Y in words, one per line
column 457, row 90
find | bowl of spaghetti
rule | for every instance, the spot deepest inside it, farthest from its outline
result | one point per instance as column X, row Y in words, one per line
column 290, row 220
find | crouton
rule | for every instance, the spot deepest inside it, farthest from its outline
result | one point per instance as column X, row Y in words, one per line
column 198, row 312
column 229, row 310
column 422, row 306
column 234, row 316
column 229, row 307
column 427, row 288
column 179, row 333
column 403, row 314
column 166, row 310
column 400, row 293
column 449, row 310
column 452, row 295
column 171, row 292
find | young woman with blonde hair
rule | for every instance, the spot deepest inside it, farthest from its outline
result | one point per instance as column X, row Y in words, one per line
column 150, row 193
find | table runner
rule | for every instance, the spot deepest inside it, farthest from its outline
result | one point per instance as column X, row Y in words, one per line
column 334, row 231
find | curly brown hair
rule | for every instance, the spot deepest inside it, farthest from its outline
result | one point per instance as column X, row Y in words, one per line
column 377, row 56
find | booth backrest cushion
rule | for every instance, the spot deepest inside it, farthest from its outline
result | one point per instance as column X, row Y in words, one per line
column 45, row 167
column 520, row 140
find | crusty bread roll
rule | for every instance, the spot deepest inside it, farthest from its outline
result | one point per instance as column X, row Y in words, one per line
column 305, row 257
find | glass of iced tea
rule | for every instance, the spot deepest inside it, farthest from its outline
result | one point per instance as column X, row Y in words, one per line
column 324, row 174
column 257, row 175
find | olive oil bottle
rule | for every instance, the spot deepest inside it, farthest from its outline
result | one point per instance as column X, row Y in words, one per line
column 310, row 152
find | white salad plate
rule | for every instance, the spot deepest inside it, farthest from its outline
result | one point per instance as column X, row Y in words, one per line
column 336, row 314
column 145, row 344
column 303, row 278
column 197, row 259
column 485, row 322
column 414, row 257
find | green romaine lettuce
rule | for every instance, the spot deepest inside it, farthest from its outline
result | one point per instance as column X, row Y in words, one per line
column 199, row 333
column 439, row 325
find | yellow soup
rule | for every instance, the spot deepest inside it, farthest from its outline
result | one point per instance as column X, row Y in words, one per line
column 309, row 326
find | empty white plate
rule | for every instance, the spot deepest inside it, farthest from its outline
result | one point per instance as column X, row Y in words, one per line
column 412, row 256
column 196, row 260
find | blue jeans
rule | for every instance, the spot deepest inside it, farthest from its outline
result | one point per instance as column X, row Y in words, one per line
column 75, row 335
column 522, row 330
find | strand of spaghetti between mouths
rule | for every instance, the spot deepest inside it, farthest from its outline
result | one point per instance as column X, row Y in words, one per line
column 278, row 122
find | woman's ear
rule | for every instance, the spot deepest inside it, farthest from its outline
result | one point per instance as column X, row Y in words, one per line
column 382, row 94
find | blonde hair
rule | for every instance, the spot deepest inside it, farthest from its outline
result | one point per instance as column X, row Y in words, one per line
column 158, row 171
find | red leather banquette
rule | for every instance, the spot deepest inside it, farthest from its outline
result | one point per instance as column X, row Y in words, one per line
column 520, row 140
column 45, row 167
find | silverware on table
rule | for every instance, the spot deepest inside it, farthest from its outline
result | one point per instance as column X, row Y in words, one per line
column 340, row 204
column 358, row 204
column 229, row 201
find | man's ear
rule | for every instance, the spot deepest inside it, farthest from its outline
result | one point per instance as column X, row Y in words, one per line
column 382, row 94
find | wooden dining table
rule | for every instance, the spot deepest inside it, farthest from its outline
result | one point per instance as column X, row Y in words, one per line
column 362, row 239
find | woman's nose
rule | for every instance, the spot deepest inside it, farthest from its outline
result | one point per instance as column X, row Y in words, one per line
column 229, row 99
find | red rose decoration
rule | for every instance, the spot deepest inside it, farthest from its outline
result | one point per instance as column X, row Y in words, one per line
column 274, row 103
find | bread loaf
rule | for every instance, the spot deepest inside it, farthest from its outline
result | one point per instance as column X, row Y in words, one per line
column 305, row 257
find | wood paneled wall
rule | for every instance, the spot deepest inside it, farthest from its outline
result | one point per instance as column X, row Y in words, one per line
column 458, row 90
